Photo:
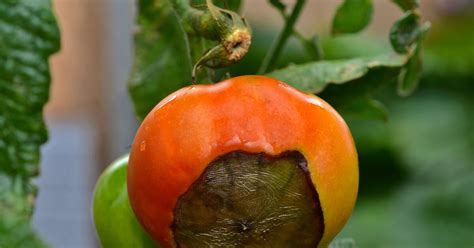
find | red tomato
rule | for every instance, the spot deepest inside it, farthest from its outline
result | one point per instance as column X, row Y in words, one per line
column 192, row 127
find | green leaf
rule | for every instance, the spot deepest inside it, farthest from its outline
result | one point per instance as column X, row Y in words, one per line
column 407, row 4
column 316, row 76
column 163, row 61
column 405, row 32
column 28, row 36
column 346, row 84
column 114, row 219
column 350, row 93
column 435, row 193
column 352, row 16
column 410, row 75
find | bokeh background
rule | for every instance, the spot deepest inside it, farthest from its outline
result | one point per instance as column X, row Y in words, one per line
column 417, row 169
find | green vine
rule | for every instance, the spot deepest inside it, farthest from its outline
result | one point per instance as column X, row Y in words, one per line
column 273, row 54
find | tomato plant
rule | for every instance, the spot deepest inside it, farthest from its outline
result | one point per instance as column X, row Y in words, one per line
column 253, row 123
column 188, row 136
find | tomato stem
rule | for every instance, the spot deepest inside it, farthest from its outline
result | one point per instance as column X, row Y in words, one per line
column 275, row 50
column 311, row 45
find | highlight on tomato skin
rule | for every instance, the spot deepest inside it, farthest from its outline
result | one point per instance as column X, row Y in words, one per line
column 250, row 123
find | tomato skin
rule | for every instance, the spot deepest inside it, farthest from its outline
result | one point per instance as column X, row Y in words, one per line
column 193, row 126
column 115, row 223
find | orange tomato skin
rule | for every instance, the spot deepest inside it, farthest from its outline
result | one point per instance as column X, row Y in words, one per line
column 195, row 125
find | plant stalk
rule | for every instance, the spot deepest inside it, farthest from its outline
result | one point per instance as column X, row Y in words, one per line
column 311, row 45
column 275, row 50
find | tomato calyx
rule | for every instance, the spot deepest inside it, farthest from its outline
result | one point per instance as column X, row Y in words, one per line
column 250, row 200
column 231, row 31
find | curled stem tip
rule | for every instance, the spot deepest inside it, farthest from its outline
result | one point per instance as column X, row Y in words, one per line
column 228, row 28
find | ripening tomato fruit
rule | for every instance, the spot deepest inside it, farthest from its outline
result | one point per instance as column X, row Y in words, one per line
column 248, row 162
column 114, row 220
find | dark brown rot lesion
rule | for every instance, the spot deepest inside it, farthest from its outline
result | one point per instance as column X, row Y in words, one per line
column 250, row 200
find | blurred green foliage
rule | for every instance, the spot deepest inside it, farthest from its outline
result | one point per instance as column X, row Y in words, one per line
column 416, row 174
column 28, row 36
column 417, row 170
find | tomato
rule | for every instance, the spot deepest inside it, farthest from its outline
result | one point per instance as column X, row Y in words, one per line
column 114, row 220
column 181, row 193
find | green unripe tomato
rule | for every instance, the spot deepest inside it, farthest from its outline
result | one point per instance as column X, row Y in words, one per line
column 115, row 223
